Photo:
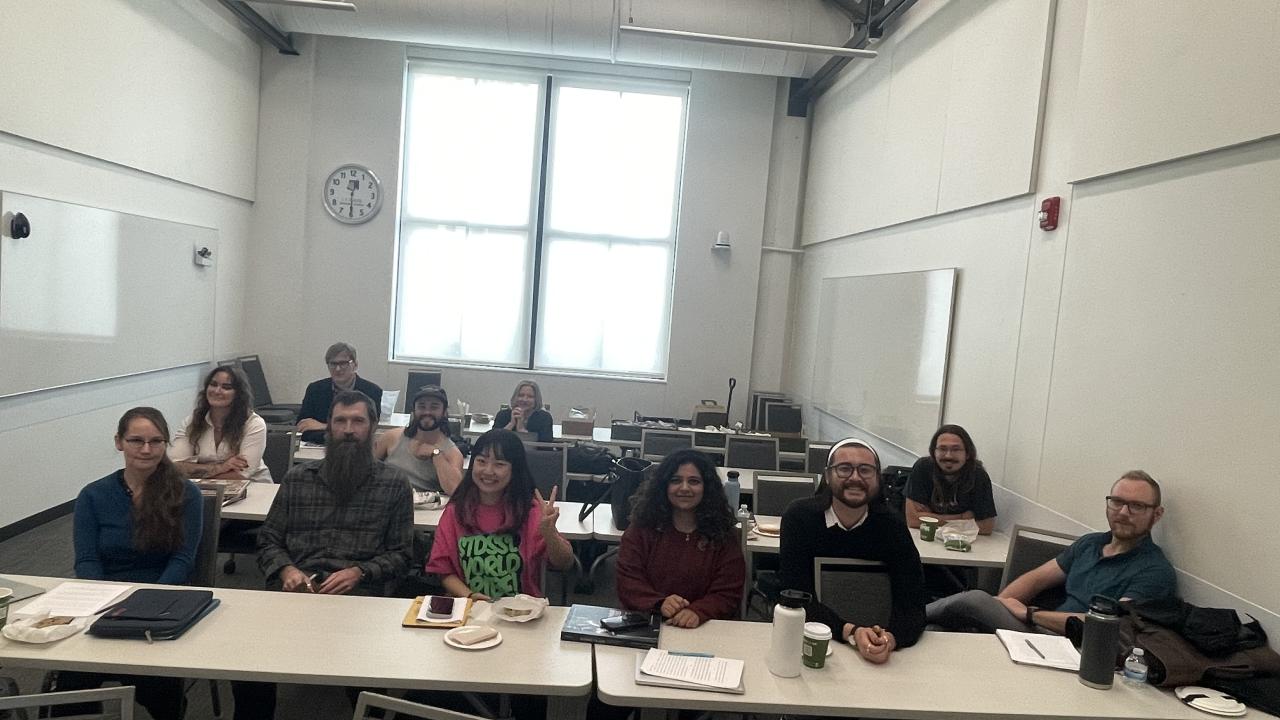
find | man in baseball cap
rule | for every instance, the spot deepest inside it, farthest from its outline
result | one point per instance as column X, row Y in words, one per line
column 423, row 449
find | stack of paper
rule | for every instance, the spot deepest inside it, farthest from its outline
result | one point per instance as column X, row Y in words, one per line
column 1052, row 651
column 76, row 599
column 693, row 671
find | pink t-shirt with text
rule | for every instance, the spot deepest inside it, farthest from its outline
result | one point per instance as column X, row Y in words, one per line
column 497, row 564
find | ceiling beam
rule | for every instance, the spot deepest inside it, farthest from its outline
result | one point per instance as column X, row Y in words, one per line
column 281, row 41
column 804, row 91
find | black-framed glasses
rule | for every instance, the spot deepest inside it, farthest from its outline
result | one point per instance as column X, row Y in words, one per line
column 1135, row 507
column 340, row 364
column 844, row 471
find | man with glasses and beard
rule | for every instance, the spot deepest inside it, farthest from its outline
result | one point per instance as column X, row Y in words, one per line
column 339, row 526
column 1122, row 563
column 423, row 449
column 845, row 520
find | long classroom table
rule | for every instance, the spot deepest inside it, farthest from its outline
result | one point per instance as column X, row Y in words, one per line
column 261, row 495
column 332, row 640
column 945, row 675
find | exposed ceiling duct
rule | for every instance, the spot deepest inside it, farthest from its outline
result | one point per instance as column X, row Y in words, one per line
column 588, row 29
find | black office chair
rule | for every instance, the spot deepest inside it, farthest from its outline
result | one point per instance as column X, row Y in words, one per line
column 205, row 572
column 1029, row 548
column 416, row 380
column 274, row 414
column 751, row 452
column 774, row 491
column 657, row 444
column 784, row 418
column 817, row 454
column 858, row 590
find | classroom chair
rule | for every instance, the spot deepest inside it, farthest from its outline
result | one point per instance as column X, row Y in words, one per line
column 751, row 452
column 774, row 491
column 286, row 414
column 40, row 704
column 657, row 444
column 395, row 706
column 858, row 590
column 415, row 381
column 1029, row 548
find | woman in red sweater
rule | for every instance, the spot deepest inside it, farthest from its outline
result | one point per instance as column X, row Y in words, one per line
column 680, row 555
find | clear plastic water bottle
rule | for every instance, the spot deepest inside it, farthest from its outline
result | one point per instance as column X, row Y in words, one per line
column 1135, row 667
column 744, row 516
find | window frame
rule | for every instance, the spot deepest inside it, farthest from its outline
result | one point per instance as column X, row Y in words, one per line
column 549, row 79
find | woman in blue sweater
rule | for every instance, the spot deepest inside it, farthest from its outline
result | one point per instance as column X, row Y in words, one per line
column 140, row 524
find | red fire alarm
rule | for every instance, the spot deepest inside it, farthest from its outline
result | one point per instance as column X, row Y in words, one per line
column 1049, row 213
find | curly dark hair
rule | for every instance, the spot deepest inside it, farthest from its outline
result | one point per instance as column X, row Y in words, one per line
column 650, row 507
column 505, row 445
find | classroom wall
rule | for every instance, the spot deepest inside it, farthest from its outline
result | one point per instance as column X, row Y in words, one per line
column 106, row 123
column 1140, row 332
column 323, row 281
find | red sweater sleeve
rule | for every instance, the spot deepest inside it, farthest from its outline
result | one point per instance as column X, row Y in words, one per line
column 635, row 591
column 724, row 591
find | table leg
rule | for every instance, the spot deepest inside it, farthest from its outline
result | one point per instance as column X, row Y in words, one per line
column 567, row 707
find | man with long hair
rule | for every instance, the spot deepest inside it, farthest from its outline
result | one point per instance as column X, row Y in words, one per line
column 951, row 484
column 423, row 449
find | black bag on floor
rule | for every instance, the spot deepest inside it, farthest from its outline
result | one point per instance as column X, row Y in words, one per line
column 624, row 479
column 590, row 459
column 154, row 614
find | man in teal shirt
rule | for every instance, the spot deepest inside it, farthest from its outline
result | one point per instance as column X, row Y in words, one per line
column 1122, row 563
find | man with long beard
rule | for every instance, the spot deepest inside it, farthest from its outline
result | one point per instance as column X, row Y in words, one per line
column 844, row 521
column 423, row 449
column 344, row 524
column 1123, row 563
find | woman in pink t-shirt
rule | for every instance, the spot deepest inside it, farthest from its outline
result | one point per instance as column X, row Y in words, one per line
column 497, row 531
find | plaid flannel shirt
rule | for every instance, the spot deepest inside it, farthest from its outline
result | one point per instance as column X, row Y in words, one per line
column 306, row 528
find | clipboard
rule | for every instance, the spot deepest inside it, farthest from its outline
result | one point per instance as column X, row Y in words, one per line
column 411, row 617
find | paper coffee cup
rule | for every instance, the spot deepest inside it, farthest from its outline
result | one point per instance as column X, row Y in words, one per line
column 928, row 528
column 6, row 597
column 816, row 639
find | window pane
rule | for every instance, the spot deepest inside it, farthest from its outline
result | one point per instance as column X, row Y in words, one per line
column 615, row 162
column 463, row 295
column 626, row 332
column 471, row 149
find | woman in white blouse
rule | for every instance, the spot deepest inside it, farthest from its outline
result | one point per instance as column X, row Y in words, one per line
column 223, row 437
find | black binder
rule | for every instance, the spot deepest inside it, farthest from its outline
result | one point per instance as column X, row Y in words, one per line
column 154, row 614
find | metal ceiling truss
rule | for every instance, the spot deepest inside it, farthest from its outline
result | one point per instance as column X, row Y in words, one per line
column 877, row 15
column 280, row 40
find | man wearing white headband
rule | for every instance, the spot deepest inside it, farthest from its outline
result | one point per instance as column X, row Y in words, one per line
column 845, row 521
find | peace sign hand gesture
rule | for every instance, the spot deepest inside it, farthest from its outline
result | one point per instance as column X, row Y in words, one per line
column 550, row 513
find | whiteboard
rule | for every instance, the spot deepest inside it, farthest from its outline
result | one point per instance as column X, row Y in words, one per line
column 881, row 360
column 95, row 294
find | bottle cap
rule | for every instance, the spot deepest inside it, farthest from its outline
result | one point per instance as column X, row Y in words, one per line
column 1103, row 605
column 793, row 598
column 733, row 474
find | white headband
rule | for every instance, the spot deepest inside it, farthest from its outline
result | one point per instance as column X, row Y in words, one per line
column 856, row 443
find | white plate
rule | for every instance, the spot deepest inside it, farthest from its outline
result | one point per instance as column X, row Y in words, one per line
column 483, row 645
column 1214, row 702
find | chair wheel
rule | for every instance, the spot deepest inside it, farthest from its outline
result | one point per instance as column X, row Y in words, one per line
column 229, row 567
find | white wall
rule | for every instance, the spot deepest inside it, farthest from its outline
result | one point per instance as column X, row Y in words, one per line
column 325, row 281
column 127, row 145
column 1138, row 334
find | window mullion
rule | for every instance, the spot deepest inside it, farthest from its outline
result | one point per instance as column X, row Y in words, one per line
column 540, row 221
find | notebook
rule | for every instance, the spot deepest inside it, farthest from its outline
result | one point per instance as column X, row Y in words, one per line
column 583, row 625
column 1052, row 651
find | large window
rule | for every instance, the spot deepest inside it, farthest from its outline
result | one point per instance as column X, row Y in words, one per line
column 538, row 219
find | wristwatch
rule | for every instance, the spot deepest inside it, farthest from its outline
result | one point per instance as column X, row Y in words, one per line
column 1031, row 614
column 434, row 453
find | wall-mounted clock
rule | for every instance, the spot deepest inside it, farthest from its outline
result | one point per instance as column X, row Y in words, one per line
column 352, row 194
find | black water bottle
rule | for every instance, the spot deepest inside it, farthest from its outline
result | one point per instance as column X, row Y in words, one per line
column 1101, row 640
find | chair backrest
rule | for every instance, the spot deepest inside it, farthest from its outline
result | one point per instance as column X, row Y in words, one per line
column 818, row 453
column 784, row 417
column 205, row 572
column 416, row 379
column 257, row 378
column 278, row 454
column 547, row 463
column 756, row 419
column 794, row 444
column 395, row 706
column 774, row 491
column 857, row 590
column 1029, row 548
column 751, row 452
column 40, row 703
column 657, row 444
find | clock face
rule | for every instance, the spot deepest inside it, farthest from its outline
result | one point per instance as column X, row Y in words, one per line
column 352, row 194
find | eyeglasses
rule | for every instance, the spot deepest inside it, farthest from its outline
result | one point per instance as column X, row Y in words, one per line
column 340, row 364
column 1135, row 507
column 844, row 471
column 138, row 443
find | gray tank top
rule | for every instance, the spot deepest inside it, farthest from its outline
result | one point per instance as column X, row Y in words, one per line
column 421, row 471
